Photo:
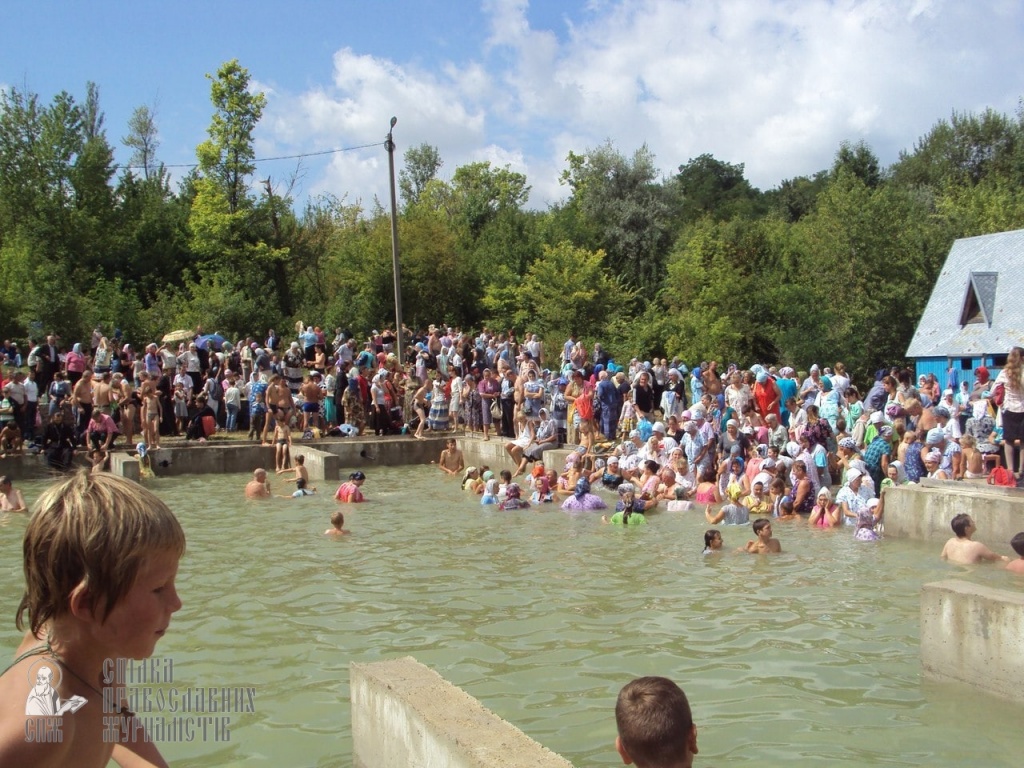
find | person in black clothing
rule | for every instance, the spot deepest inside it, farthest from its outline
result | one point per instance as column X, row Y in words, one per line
column 59, row 441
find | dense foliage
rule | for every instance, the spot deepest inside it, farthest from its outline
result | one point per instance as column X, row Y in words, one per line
column 700, row 264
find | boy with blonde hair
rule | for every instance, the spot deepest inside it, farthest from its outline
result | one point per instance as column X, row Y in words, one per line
column 100, row 556
column 655, row 724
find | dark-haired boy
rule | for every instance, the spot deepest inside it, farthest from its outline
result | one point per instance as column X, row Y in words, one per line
column 764, row 543
column 655, row 724
column 1017, row 542
column 961, row 549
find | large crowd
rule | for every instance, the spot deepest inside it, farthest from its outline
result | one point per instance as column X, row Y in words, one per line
column 749, row 437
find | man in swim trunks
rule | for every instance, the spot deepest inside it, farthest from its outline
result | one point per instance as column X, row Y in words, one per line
column 311, row 395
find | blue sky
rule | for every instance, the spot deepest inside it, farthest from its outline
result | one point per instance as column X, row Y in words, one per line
column 774, row 85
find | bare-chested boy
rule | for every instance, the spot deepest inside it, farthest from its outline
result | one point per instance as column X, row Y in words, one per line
column 311, row 396
column 299, row 470
column 338, row 523
column 961, row 549
column 1017, row 542
column 451, row 461
column 764, row 543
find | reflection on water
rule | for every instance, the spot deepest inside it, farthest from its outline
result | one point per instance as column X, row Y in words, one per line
column 807, row 658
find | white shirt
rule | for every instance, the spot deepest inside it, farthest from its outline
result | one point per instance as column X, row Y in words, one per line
column 31, row 391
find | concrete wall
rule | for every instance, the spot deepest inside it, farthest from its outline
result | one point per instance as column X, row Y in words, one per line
column 404, row 714
column 925, row 511
column 975, row 635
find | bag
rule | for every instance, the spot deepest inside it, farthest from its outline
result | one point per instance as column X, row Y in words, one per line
column 495, row 409
column 1001, row 476
column 999, row 395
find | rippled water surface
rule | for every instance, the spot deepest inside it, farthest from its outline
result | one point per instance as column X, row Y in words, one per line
column 804, row 659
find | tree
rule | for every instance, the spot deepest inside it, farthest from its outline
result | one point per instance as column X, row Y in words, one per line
column 421, row 165
column 227, row 156
column 859, row 160
column 142, row 139
column 621, row 200
column 712, row 187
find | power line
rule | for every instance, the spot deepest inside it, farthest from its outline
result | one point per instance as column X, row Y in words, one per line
column 257, row 160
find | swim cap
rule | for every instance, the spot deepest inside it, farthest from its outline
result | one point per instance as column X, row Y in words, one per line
column 625, row 488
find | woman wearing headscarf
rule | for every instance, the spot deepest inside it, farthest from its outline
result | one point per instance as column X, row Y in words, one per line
column 767, row 396
column 877, row 454
column 582, row 498
column 74, row 364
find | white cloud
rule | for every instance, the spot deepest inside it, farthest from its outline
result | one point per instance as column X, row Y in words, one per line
column 774, row 85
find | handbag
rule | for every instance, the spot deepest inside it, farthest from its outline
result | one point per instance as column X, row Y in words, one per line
column 998, row 395
column 495, row 409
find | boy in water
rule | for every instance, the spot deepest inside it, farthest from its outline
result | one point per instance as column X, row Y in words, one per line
column 451, row 461
column 84, row 607
column 299, row 470
column 961, row 549
column 655, row 725
column 1017, row 542
column 338, row 521
column 764, row 543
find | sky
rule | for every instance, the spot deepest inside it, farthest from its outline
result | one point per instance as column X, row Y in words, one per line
column 776, row 85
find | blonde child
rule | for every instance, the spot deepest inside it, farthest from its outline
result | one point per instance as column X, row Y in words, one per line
column 83, row 607
column 338, row 525
column 974, row 461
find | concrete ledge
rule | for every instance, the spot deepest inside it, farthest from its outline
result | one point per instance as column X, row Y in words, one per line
column 974, row 635
column 925, row 511
column 321, row 465
column 125, row 465
column 404, row 714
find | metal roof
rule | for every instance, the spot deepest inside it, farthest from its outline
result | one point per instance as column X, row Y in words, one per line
column 991, row 267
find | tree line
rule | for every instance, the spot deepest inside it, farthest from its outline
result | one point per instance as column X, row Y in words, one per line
column 699, row 263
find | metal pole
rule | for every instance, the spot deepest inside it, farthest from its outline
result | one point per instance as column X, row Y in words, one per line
column 399, row 348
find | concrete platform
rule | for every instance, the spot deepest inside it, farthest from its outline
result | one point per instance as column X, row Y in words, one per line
column 974, row 635
column 924, row 511
column 405, row 714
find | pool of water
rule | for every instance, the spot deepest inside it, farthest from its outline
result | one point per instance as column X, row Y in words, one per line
column 806, row 658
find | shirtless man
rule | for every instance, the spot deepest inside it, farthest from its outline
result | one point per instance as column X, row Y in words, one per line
column 960, row 549
column 259, row 486
column 311, row 396
column 764, row 543
column 11, row 499
column 270, row 397
column 101, row 393
column 81, row 397
column 712, row 381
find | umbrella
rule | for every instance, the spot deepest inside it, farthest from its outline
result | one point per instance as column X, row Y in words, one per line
column 178, row 336
column 214, row 340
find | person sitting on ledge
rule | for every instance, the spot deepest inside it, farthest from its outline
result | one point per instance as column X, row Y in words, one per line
column 961, row 549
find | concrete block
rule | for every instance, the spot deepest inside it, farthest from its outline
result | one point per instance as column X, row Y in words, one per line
column 974, row 635
column 925, row 511
column 405, row 714
column 125, row 465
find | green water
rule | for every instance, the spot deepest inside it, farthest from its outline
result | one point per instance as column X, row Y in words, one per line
column 808, row 658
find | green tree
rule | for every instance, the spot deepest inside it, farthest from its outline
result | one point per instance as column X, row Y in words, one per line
column 143, row 139
column 421, row 165
column 226, row 158
column 620, row 200
column 712, row 187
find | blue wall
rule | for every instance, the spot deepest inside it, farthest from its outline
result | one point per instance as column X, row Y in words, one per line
column 964, row 366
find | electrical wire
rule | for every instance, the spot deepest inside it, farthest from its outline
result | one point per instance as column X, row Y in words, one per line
column 257, row 160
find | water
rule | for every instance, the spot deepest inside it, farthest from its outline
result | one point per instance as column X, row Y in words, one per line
column 804, row 659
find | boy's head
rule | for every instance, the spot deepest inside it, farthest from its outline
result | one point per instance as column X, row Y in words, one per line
column 960, row 524
column 300, row 459
column 1017, row 542
column 337, row 519
column 760, row 524
column 95, row 532
column 655, row 724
